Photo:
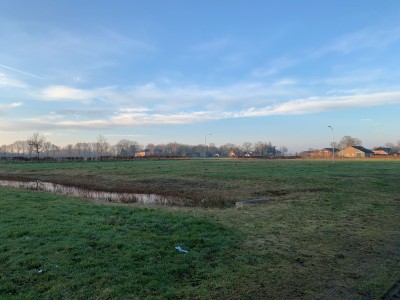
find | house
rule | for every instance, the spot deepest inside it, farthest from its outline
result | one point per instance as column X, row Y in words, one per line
column 324, row 153
column 306, row 154
column 355, row 152
column 382, row 151
column 378, row 152
column 141, row 154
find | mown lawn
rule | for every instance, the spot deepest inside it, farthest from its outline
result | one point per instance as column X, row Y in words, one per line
column 330, row 231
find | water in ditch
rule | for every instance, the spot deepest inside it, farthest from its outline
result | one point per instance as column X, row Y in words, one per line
column 98, row 196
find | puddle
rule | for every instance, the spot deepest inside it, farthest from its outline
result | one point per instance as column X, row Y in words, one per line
column 98, row 196
column 242, row 204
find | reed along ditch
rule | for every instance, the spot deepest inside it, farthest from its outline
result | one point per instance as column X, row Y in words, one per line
column 98, row 196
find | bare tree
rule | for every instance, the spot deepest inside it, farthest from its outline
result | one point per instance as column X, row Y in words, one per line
column 78, row 148
column 87, row 149
column 264, row 148
column 102, row 145
column 26, row 149
column 348, row 141
column 151, row 148
column 247, row 147
column 46, row 148
column 127, row 148
column 229, row 148
column 19, row 147
column 3, row 150
column 55, row 150
column 36, row 142
column 283, row 150
column 260, row 148
column 11, row 150
column 172, row 148
column 69, row 150
column 389, row 145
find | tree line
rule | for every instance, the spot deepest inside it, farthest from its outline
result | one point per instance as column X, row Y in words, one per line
column 37, row 147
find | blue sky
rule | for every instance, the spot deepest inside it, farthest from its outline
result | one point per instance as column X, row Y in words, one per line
column 164, row 71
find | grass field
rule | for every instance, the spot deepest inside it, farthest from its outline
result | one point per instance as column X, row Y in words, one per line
column 330, row 231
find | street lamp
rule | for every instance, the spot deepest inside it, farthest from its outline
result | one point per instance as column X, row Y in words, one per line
column 205, row 144
column 333, row 144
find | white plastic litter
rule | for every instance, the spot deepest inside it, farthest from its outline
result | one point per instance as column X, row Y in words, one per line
column 181, row 250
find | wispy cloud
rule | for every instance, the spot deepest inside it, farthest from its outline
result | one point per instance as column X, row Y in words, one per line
column 144, row 117
column 224, row 53
column 351, row 77
column 366, row 38
column 131, row 109
column 64, row 93
column 172, row 98
column 80, row 113
column 125, row 135
column 55, row 53
column 7, row 107
column 274, row 67
column 321, row 104
column 11, row 105
column 68, row 94
column 102, row 44
column 7, row 81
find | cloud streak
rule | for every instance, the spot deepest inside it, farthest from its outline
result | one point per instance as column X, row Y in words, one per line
column 61, row 93
column 6, row 107
column 143, row 117
column 173, row 98
column 6, row 81
column 11, row 105
column 322, row 104
column 366, row 38
column 19, row 71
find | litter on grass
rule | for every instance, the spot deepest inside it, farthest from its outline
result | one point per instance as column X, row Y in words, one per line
column 181, row 250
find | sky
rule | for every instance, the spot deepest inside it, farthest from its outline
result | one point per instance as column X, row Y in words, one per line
column 225, row 71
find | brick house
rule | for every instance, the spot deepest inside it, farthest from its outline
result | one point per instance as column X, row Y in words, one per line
column 355, row 152
column 382, row 151
column 324, row 153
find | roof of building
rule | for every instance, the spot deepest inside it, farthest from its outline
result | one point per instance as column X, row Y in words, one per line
column 380, row 152
column 330, row 149
column 361, row 148
column 386, row 149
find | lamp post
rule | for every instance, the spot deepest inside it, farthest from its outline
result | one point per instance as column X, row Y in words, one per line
column 205, row 144
column 333, row 144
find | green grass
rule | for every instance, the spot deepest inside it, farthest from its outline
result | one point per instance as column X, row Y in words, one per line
column 54, row 247
column 209, row 182
column 331, row 231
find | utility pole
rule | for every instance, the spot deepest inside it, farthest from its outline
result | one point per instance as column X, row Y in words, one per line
column 333, row 144
column 205, row 144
